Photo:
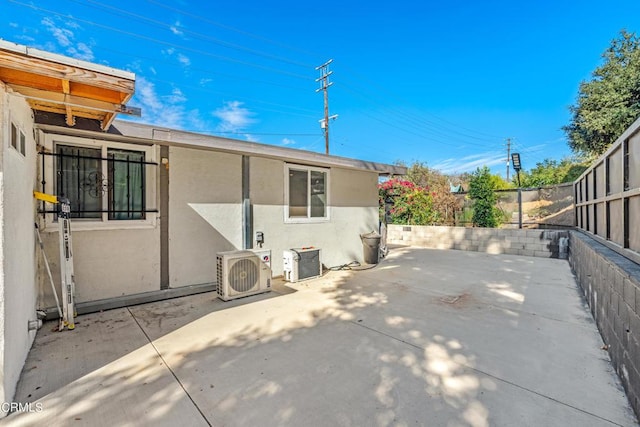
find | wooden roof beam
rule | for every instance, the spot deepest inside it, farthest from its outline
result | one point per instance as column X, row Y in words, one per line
column 106, row 122
column 70, row 119
column 74, row 101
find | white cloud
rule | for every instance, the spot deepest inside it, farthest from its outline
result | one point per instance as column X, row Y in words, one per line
column 154, row 110
column 135, row 66
column 233, row 117
column 72, row 24
column 13, row 24
column 175, row 29
column 146, row 93
column 176, row 96
column 25, row 38
column 62, row 35
column 66, row 39
column 184, row 60
column 166, row 110
column 287, row 141
column 82, row 51
column 205, row 81
column 469, row 163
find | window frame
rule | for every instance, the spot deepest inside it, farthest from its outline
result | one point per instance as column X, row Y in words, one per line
column 17, row 138
column 52, row 141
column 308, row 169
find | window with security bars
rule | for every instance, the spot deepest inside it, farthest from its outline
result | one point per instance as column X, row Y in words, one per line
column 94, row 185
column 126, row 184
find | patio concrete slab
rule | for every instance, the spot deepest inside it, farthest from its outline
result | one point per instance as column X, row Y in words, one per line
column 428, row 337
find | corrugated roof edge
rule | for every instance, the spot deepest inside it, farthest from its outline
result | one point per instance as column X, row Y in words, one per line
column 127, row 131
column 65, row 60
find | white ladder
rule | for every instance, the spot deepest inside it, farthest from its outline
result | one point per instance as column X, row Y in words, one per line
column 68, row 312
column 66, row 264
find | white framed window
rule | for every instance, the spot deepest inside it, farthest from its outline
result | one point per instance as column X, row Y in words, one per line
column 108, row 184
column 306, row 193
column 18, row 139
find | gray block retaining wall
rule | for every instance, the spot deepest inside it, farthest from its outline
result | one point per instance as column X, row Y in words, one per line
column 611, row 285
column 535, row 242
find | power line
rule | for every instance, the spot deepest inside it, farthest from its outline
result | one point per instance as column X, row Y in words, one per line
column 161, row 42
column 420, row 121
column 205, row 71
column 417, row 126
column 406, row 121
column 115, row 10
column 229, row 28
column 404, row 101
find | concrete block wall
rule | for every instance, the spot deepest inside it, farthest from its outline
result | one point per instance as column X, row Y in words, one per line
column 536, row 242
column 611, row 285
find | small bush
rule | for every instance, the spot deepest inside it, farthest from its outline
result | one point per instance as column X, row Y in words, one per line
column 481, row 191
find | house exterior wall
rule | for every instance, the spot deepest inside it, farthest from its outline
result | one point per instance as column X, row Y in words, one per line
column 205, row 213
column 122, row 258
column 353, row 204
column 18, row 289
column 205, row 217
column 106, row 263
column 205, row 190
column 111, row 258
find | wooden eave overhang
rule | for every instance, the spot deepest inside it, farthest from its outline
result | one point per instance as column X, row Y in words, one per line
column 59, row 84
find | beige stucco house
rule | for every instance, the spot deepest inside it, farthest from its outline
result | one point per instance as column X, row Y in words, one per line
column 151, row 207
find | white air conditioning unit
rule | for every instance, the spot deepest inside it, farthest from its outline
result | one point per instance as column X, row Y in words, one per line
column 242, row 273
column 301, row 264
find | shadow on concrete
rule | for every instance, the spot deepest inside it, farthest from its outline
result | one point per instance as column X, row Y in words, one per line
column 426, row 338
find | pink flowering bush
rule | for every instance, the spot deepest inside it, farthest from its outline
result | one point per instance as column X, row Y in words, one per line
column 413, row 204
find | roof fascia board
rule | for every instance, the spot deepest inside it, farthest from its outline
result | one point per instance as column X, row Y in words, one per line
column 65, row 60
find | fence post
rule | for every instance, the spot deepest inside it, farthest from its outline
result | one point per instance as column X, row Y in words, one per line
column 519, row 207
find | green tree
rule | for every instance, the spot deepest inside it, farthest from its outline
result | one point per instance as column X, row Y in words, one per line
column 499, row 183
column 609, row 103
column 552, row 172
column 481, row 190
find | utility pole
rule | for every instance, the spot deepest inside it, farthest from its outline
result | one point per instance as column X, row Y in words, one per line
column 508, row 156
column 324, row 87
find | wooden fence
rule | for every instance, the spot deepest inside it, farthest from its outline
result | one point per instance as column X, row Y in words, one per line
column 608, row 196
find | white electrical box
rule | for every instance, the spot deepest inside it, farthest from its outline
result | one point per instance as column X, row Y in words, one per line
column 301, row 264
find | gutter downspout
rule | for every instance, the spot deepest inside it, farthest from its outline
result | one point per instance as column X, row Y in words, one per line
column 247, row 220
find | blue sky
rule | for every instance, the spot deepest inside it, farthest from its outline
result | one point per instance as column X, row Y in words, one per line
column 444, row 83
